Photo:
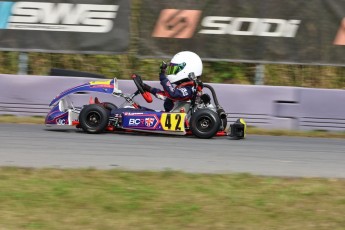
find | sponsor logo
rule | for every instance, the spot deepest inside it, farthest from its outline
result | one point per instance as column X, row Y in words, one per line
column 66, row 17
column 265, row 27
column 174, row 23
column 135, row 122
column 100, row 82
column 128, row 113
column 148, row 121
column 61, row 122
column 340, row 37
column 184, row 92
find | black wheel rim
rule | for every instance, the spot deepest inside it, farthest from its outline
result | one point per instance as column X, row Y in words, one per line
column 93, row 119
column 204, row 124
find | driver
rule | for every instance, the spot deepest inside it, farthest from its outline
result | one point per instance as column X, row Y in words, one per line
column 175, row 79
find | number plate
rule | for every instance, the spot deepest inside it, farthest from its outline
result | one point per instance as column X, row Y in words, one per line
column 173, row 121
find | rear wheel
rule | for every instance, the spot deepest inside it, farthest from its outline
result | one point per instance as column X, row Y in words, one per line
column 110, row 106
column 94, row 118
column 204, row 123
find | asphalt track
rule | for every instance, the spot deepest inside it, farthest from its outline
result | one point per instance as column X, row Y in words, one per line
column 37, row 146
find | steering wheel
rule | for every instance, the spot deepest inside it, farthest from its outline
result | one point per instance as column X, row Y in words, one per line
column 139, row 84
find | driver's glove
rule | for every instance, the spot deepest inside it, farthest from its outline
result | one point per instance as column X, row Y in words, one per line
column 160, row 96
column 163, row 67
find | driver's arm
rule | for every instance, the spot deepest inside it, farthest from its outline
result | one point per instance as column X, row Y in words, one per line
column 175, row 93
column 160, row 94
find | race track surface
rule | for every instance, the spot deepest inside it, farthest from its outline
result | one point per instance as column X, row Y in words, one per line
column 37, row 146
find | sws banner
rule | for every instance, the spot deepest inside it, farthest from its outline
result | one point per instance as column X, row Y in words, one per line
column 267, row 31
column 74, row 26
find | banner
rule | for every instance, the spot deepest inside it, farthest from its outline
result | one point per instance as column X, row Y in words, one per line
column 74, row 26
column 267, row 31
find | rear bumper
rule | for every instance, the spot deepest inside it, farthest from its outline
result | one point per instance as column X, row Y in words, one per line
column 238, row 129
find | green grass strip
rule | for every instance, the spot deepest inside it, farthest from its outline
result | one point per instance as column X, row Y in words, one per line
column 114, row 199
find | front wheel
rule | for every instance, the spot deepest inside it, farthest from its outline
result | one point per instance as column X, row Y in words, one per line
column 204, row 123
column 94, row 118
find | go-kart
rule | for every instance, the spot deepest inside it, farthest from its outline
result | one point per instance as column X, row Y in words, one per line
column 198, row 116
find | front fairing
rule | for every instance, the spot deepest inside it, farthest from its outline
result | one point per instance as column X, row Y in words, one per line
column 106, row 86
column 56, row 117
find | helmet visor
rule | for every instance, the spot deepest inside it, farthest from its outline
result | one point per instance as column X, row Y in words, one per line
column 173, row 68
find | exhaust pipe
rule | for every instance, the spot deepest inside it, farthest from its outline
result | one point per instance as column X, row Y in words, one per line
column 220, row 110
column 221, row 113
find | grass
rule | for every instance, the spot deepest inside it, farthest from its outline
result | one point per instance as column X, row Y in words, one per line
column 94, row 199
column 296, row 133
column 11, row 119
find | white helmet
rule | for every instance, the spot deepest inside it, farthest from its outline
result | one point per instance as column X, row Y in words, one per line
column 182, row 64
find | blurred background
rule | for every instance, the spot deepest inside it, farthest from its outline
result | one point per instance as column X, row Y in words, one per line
column 121, row 66
column 315, row 74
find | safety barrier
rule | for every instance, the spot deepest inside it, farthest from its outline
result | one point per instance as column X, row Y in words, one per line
column 271, row 107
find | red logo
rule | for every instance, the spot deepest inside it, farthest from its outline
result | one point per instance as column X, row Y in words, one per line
column 340, row 38
column 174, row 23
column 149, row 121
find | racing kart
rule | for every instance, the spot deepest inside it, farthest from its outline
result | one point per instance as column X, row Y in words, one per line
column 198, row 116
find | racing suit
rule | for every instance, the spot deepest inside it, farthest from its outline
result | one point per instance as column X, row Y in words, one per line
column 170, row 94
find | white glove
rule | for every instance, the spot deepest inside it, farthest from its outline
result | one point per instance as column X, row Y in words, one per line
column 160, row 96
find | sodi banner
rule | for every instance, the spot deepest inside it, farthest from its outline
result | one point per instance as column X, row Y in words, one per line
column 267, row 31
column 75, row 26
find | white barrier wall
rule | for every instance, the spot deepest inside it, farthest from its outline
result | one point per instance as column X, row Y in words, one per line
column 270, row 107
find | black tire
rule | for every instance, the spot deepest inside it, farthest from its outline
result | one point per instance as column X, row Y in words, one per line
column 204, row 123
column 94, row 118
column 109, row 106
